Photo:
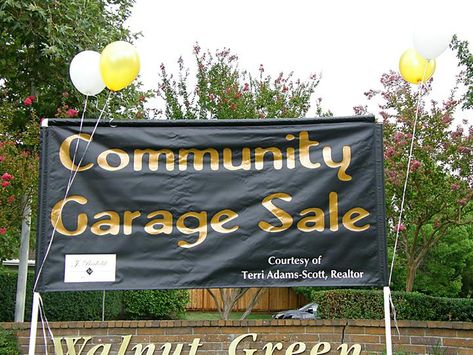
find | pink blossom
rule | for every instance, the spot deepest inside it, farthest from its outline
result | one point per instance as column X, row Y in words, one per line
column 72, row 113
column 7, row 177
column 389, row 152
column 2, row 158
column 359, row 110
column 415, row 164
column 3, row 230
column 457, row 134
column 455, row 187
column 400, row 227
column 246, row 87
column 398, row 137
column 11, row 198
column 446, row 119
column 29, row 100
column 462, row 202
column 464, row 149
column 5, row 183
column 393, row 176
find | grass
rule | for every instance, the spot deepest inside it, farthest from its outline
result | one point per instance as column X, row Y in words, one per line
column 215, row 316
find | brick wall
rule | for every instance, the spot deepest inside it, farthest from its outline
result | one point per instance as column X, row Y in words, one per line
column 216, row 336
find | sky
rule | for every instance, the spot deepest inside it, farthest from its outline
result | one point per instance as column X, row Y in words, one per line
column 349, row 43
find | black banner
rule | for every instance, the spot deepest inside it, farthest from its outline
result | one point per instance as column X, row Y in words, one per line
column 221, row 203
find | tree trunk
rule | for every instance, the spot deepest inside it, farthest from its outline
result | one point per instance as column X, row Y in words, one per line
column 226, row 299
column 411, row 275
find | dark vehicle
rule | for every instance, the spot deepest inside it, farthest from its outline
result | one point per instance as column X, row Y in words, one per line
column 309, row 311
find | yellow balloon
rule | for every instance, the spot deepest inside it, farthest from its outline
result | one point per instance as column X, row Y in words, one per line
column 119, row 65
column 414, row 68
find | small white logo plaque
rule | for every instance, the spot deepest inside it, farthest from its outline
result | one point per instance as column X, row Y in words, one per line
column 90, row 268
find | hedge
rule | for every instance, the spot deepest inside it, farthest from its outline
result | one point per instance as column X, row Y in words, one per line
column 87, row 305
column 368, row 304
column 8, row 343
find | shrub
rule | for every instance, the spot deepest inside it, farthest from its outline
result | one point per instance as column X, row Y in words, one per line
column 150, row 304
column 8, row 343
column 87, row 305
column 368, row 304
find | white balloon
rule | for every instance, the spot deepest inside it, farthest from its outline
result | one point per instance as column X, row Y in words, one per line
column 431, row 40
column 84, row 71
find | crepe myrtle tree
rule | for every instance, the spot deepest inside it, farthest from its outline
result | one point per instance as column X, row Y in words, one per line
column 17, row 187
column 220, row 90
column 440, row 187
column 39, row 40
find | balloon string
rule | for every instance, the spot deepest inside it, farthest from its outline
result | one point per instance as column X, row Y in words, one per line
column 77, row 142
column 92, row 135
column 69, row 184
column 411, row 148
column 44, row 320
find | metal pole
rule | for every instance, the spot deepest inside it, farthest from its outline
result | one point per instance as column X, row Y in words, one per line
column 387, row 320
column 23, row 263
column 34, row 324
column 103, row 306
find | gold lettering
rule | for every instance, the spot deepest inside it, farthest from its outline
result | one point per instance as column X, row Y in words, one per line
column 349, row 221
column 198, row 158
column 343, row 164
column 325, row 348
column 103, row 162
column 56, row 216
column 219, row 220
column 285, row 218
column 70, row 345
column 316, row 222
column 148, row 348
column 128, row 218
column 304, row 150
column 333, row 211
column 201, row 217
column 112, row 224
column 125, row 341
column 292, row 351
column 167, row 347
column 356, row 348
column 290, row 153
column 234, row 344
column 58, row 346
column 290, row 158
column 65, row 151
column 261, row 152
column 245, row 159
column 105, row 349
column 153, row 159
column 270, row 348
column 165, row 222
column 194, row 346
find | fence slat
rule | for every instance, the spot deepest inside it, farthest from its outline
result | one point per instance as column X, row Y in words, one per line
column 272, row 300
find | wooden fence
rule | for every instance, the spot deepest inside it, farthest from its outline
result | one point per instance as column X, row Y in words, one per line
column 271, row 300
